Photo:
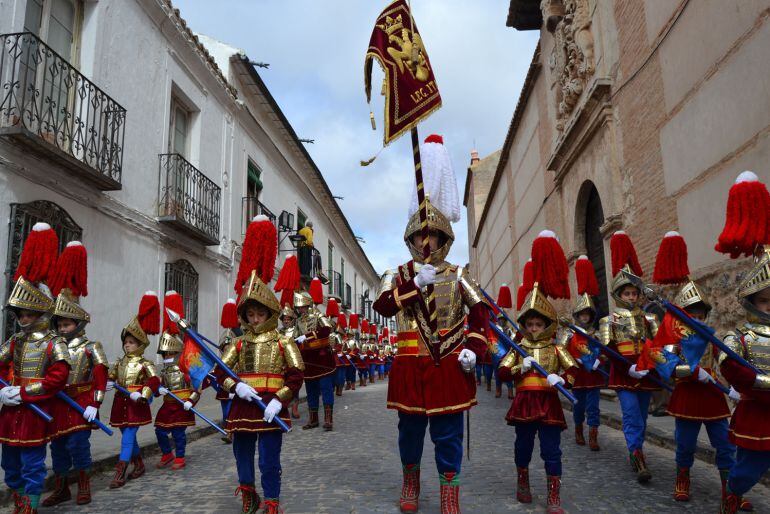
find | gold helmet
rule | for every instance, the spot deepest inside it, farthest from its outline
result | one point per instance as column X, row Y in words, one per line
column 584, row 302
column 303, row 299
column 145, row 323
column 170, row 343
column 619, row 282
column 257, row 291
column 288, row 312
column 690, row 295
column 67, row 307
column 536, row 302
column 436, row 221
column 25, row 295
column 757, row 279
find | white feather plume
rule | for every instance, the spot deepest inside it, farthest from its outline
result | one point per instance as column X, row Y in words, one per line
column 439, row 181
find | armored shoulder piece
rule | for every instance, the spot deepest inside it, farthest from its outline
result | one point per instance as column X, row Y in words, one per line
column 387, row 282
column 471, row 291
column 605, row 330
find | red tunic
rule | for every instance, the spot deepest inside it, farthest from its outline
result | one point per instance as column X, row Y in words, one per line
column 247, row 416
column 66, row 419
column 416, row 384
column 749, row 426
column 339, row 357
column 317, row 355
column 19, row 425
column 172, row 414
column 692, row 399
column 128, row 413
column 530, row 404
column 583, row 379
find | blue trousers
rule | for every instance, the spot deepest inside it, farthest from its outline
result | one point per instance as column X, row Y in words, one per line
column 749, row 467
column 24, row 468
column 71, row 451
column 129, row 447
column 339, row 376
column 550, row 446
column 686, row 436
column 388, row 365
column 180, row 440
column 381, row 369
column 225, row 408
column 498, row 382
column 363, row 373
column 484, row 369
column 245, row 445
column 350, row 373
column 323, row 387
column 634, row 405
column 587, row 404
column 446, row 432
column 372, row 369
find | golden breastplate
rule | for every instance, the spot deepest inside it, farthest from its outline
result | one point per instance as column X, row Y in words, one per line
column 130, row 371
column 81, row 362
column 261, row 354
column 449, row 304
column 756, row 339
column 544, row 352
column 173, row 378
column 30, row 358
column 307, row 323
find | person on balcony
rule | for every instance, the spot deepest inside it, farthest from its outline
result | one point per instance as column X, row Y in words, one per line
column 307, row 232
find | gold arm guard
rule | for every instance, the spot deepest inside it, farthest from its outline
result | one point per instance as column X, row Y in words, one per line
column 98, row 396
column 112, row 374
column 563, row 338
column 98, row 356
column 228, row 384
column 195, row 396
column 605, row 330
column 60, row 352
column 387, row 282
column 652, row 321
column 762, row 382
column 732, row 342
column 509, row 361
column 292, row 354
column 284, row 394
column 230, row 355
column 682, row 371
column 150, row 371
column 566, row 360
column 470, row 289
column 5, row 352
column 34, row 389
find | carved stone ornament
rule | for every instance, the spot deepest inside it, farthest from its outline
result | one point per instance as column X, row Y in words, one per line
column 572, row 57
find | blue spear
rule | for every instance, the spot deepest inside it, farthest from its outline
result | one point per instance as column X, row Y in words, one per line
column 197, row 413
column 187, row 329
column 37, row 410
column 75, row 405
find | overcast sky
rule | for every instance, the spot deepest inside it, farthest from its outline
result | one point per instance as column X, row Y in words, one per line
column 316, row 53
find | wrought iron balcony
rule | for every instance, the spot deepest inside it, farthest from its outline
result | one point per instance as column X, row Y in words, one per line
column 250, row 207
column 310, row 263
column 346, row 302
column 187, row 199
column 48, row 105
column 336, row 284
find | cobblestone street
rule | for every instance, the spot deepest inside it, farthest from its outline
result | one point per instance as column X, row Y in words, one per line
column 356, row 469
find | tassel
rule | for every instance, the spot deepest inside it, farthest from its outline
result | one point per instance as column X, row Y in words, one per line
column 353, row 321
column 287, row 298
column 521, row 295
column 173, row 301
column 332, row 308
column 504, row 297
column 528, row 275
column 316, row 291
column 342, row 322
column 671, row 262
column 289, row 277
column 385, row 332
column 550, row 267
column 586, row 277
column 229, row 317
column 71, row 271
column 365, row 326
column 623, row 253
column 747, row 222
column 149, row 313
column 260, row 248
column 39, row 255
column 373, row 330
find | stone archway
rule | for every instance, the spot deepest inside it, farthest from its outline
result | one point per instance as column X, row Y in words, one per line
column 589, row 218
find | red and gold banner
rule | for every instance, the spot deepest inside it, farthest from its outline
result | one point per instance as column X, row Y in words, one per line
column 410, row 89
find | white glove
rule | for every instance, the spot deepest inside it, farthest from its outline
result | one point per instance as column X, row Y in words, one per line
column 734, row 395
column 272, row 409
column 637, row 374
column 526, row 364
column 10, row 395
column 425, row 277
column 554, row 379
column 162, row 391
column 363, row 357
column 110, row 385
column 230, row 396
column 597, row 362
column 187, row 405
column 246, row 392
column 704, row 376
column 339, row 355
column 300, row 339
column 135, row 396
column 467, row 360
column 90, row 413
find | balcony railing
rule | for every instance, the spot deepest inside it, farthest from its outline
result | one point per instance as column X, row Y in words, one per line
column 250, row 207
column 52, row 108
column 347, row 301
column 335, row 284
column 187, row 199
column 310, row 263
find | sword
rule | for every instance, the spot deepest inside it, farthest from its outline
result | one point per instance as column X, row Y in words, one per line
column 685, row 318
column 187, row 329
column 34, row 408
column 198, row 413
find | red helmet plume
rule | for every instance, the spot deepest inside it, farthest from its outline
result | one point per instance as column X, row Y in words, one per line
column 747, row 222
column 671, row 262
column 149, row 313
column 550, row 268
column 229, row 317
column 71, row 270
column 623, row 253
column 260, row 248
column 39, row 255
column 586, row 277
column 173, row 301
column 504, row 297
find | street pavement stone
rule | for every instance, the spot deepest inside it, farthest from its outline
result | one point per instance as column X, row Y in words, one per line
column 355, row 469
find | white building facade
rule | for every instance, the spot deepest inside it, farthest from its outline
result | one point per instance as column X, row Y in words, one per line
column 121, row 129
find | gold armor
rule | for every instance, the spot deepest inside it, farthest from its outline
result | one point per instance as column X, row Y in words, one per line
column 311, row 321
column 175, row 381
column 67, row 306
column 262, row 361
column 170, row 343
column 26, row 296
column 618, row 282
column 628, row 329
column 226, row 339
column 436, row 221
column 756, row 338
column 757, row 279
column 84, row 356
column 258, row 291
column 132, row 371
column 454, row 291
column 30, row 355
column 135, row 329
column 584, row 302
column 537, row 302
column 689, row 295
column 288, row 312
column 554, row 358
column 302, row 299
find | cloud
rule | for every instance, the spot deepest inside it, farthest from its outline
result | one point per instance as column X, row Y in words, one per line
column 316, row 54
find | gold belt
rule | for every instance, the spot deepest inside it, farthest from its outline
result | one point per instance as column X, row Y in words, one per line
column 316, row 344
column 183, row 394
column 77, row 389
column 25, row 381
column 268, row 382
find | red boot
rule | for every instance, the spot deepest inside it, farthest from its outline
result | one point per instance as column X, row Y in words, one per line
column 554, row 500
column 313, row 421
column 61, row 492
column 593, row 438
column 272, row 507
column 580, row 439
column 410, row 489
column 138, row 469
column 353, row 385
column 179, row 463
column 16, row 496
column 450, row 493
column 84, row 488
column 730, row 503
column 25, row 506
column 498, row 390
column 251, row 500
column 682, row 486
column 165, row 460
column 523, row 493
column 745, row 505
column 639, row 465
column 119, row 480
column 328, row 418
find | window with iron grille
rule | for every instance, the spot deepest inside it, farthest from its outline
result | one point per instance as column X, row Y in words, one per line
column 182, row 278
column 23, row 217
